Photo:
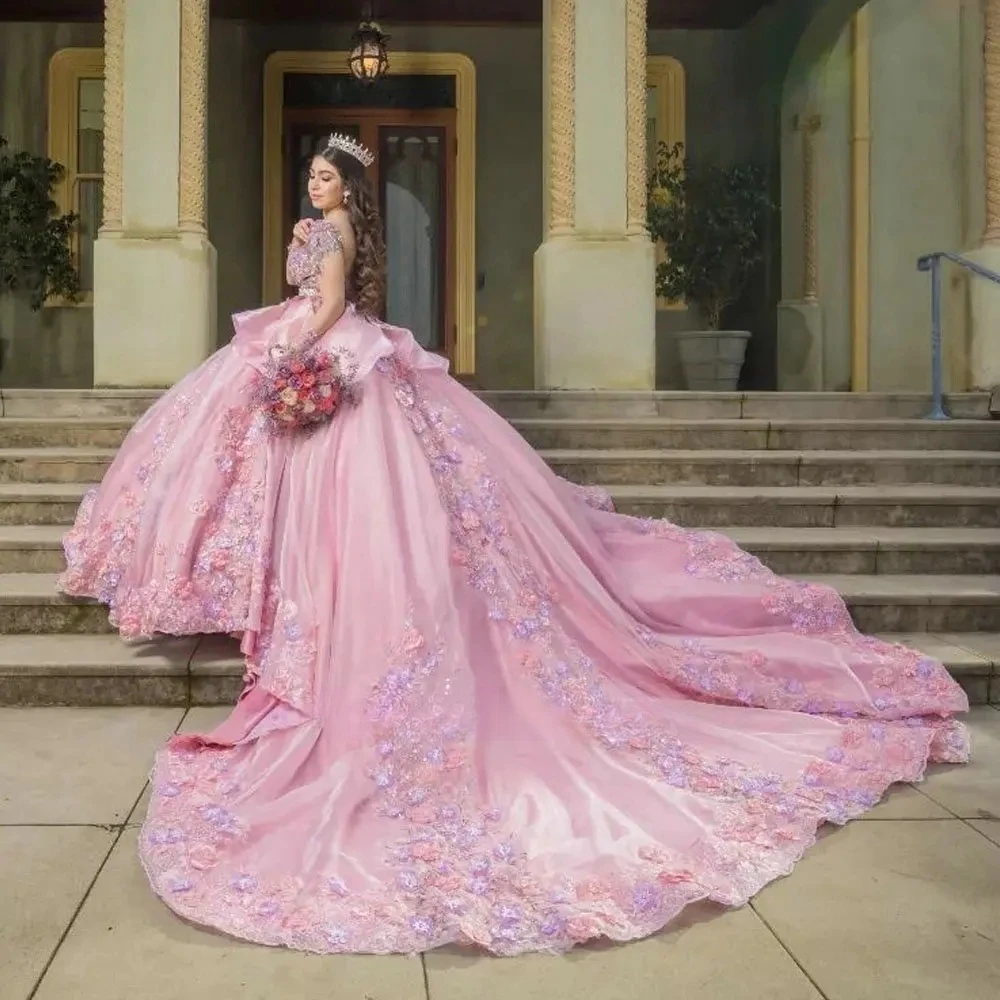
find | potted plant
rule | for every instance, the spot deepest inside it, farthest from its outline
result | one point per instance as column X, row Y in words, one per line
column 36, row 256
column 709, row 219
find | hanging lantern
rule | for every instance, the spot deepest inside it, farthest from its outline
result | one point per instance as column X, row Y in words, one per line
column 369, row 59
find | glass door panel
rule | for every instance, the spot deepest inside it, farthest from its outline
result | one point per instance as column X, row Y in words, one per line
column 412, row 180
column 413, row 196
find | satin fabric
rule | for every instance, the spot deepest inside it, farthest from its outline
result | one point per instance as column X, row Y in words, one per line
column 480, row 706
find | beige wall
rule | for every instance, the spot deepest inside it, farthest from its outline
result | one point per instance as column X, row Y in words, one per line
column 918, row 166
column 926, row 179
column 55, row 346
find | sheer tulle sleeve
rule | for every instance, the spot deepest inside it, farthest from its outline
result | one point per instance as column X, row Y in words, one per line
column 305, row 262
column 324, row 240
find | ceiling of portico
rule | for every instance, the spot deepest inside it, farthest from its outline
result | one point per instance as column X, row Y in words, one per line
column 662, row 13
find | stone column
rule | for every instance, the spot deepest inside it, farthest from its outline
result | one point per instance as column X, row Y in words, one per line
column 595, row 306
column 800, row 317
column 154, row 267
column 984, row 340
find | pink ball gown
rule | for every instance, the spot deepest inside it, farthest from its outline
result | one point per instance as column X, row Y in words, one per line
column 480, row 706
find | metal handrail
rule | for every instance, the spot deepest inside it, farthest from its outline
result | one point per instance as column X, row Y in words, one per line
column 932, row 263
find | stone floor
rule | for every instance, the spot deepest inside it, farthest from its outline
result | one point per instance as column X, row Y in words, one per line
column 904, row 905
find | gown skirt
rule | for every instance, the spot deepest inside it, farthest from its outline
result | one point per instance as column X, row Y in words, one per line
column 479, row 706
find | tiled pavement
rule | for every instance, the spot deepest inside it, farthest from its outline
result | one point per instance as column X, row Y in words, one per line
column 903, row 906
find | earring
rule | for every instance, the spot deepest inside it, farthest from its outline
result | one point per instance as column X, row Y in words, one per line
column 347, row 194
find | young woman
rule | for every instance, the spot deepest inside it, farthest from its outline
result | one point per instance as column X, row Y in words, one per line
column 479, row 705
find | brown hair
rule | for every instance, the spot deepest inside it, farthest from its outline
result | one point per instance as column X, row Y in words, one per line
column 366, row 283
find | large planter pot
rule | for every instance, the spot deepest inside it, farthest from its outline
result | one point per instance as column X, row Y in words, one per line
column 712, row 359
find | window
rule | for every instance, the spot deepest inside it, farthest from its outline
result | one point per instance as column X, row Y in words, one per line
column 665, row 104
column 76, row 140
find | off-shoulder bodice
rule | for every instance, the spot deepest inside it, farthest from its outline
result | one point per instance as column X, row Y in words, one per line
column 305, row 261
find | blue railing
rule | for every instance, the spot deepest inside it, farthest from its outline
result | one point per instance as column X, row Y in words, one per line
column 932, row 263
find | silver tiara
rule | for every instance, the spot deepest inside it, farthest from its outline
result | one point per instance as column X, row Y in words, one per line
column 352, row 147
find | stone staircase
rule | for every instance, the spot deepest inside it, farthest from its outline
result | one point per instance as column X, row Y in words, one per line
column 901, row 515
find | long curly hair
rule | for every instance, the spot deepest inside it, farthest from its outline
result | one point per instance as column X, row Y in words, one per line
column 366, row 283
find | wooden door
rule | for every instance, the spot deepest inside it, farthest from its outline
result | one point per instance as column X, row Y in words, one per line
column 413, row 181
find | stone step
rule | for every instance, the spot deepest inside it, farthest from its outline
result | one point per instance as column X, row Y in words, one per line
column 757, row 435
column 787, row 551
column 566, row 403
column 591, row 404
column 744, row 467
column 54, row 465
column 905, row 506
column 634, row 433
column 918, row 603
column 29, row 604
column 873, row 551
column 64, row 432
column 611, row 467
column 99, row 403
column 901, row 506
column 102, row 670
column 40, row 503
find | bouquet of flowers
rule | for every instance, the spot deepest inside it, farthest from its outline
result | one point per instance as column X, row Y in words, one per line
column 301, row 389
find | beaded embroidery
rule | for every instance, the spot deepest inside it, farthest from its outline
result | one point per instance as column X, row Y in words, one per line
column 453, row 867
column 305, row 260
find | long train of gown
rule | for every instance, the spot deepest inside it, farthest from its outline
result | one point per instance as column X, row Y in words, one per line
column 480, row 706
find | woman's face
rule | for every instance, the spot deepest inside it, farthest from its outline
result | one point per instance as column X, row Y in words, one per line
column 326, row 186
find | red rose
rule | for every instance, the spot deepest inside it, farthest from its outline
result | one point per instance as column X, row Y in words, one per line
column 297, row 367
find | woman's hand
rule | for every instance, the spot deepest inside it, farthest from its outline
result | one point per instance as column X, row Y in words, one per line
column 300, row 234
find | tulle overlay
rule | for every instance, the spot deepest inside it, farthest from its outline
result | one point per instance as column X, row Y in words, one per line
column 480, row 706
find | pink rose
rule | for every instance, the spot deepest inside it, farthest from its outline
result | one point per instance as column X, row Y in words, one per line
column 706, row 783
column 446, row 883
column 423, row 814
column 582, row 928
column 423, row 851
column 674, row 878
column 203, row 857
column 592, row 889
column 412, row 640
